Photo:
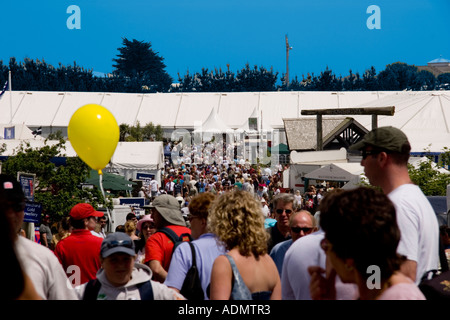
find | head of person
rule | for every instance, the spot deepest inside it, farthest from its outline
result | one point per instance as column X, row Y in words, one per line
column 46, row 219
column 283, row 205
column 12, row 200
column 198, row 213
column 130, row 227
column 102, row 221
column 117, row 256
column 301, row 223
column 84, row 216
column 444, row 232
column 146, row 227
column 131, row 216
column 236, row 218
column 380, row 146
column 165, row 210
column 360, row 231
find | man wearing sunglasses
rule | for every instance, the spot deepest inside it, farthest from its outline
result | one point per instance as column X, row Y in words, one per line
column 301, row 223
column 385, row 154
column 79, row 253
column 283, row 205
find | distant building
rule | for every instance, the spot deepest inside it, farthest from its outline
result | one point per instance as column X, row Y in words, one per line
column 436, row 66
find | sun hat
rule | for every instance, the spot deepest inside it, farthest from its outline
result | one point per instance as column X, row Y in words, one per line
column 84, row 210
column 169, row 208
column 117, row 242
column 146, row 218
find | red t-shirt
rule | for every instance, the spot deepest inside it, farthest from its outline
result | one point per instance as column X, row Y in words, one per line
column 159, row 247
column 80, row 249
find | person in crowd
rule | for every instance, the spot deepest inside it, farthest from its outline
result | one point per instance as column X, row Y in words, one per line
column 145, row 227
column 45, row 231
column 283, row 206
column 205, row 245
column 120, row 278
column 130, row 229
column 102, row 226
column 64, row 230
column 301, row 223
column 246, row 271
column 444, row 232
column 81, row 248
column 17, row 285
column 131, row 216
column 385, row 154
column 166, row 213
column 38, row 263
column 265, row 207
column 361, row 239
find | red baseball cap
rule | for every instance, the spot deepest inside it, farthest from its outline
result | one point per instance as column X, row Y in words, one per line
column 84, row 210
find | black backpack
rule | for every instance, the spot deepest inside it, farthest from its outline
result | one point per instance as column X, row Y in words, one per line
column 177, row 240
column 93, row 287
column 192, row 287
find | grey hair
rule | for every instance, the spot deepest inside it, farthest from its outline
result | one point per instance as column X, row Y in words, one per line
column 285, row 198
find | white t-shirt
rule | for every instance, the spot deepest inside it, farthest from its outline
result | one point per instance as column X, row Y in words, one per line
column 295, row 277
column 418, row 226
column 43, row 268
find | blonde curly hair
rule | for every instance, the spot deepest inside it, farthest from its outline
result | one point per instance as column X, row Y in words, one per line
column 236, row 218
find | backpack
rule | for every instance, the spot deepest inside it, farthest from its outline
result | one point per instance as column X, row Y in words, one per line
column 93, row 287
column 177, row 240
column 192, row 287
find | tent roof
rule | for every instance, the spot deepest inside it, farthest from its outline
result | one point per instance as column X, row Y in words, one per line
column 213, row 124
column 147, row 155
column 336, row 172
column 423, row 115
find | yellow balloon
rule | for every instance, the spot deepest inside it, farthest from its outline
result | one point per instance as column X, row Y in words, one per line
column 94, row 134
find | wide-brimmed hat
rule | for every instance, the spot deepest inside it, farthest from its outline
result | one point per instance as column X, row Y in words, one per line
column 169, row 208
column 117, row 242
column 146, row 218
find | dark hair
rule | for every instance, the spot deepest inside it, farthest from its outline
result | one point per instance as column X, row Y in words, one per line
column 120, row 228
column 76, row 224
column 130, row 216
column 361, row 224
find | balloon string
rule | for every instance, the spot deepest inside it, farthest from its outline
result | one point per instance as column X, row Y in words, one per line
column 100, row 177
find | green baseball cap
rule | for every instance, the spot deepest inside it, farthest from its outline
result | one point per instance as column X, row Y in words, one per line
column 387, row 138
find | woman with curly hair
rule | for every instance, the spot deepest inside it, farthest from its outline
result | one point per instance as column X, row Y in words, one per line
column 246, row 272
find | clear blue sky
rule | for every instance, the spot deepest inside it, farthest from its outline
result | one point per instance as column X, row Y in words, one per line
column 195, row 34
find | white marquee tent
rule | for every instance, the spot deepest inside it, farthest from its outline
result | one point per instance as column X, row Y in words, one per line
column 423, row 115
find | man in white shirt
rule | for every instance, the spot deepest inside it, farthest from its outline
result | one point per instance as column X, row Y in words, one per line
column 385, row 154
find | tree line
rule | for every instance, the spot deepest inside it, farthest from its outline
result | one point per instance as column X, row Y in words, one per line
column 139, row 69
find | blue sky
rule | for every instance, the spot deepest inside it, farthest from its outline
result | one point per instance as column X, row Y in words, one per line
column 195, row 34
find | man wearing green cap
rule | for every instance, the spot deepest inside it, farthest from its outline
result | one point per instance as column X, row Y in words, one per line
column 385, row 154
column 166, row 213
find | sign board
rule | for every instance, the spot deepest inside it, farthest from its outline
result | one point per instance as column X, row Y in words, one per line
column 33, row 212
column 10, row 133
column 27, row 180
column 134, row 202
column 145, row 177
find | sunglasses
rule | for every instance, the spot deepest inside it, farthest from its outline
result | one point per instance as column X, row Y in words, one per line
column 325, row 245
column 280, row 211
column 298, row 229
column 191, row 217
column 120, row 243
column 366, row 153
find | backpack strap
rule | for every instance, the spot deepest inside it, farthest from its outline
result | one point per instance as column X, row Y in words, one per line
column 146, row 290
column 91, row 290
column 194, row 261
column 169, row 233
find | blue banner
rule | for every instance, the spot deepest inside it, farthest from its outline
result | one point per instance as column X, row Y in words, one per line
column 33, row 212
column 10, row 133
column 132, row 202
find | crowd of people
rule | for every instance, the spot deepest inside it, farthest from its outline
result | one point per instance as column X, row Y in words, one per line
column 249, row 238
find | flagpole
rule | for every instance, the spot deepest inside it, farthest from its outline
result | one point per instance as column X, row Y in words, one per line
column 10, row 96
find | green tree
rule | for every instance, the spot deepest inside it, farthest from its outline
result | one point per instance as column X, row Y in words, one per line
column 57, row 188
column 138, row 62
